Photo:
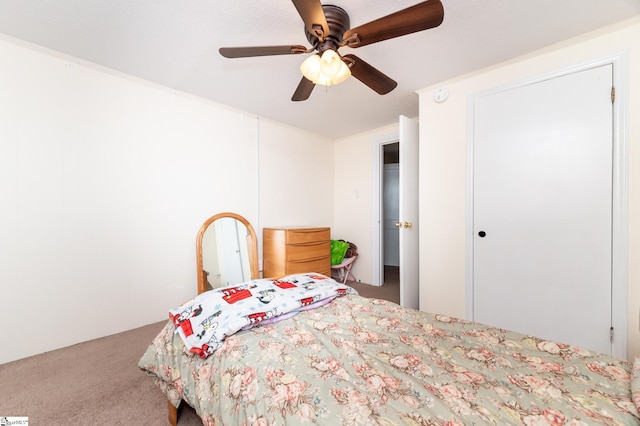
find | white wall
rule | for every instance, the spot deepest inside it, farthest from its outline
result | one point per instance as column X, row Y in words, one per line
column 296, row 178
column 104, row 183
column 443, row 165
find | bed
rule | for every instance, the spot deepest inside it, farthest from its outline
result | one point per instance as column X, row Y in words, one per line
column 361, row 361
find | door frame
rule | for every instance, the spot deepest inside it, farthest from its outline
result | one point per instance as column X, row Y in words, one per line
column 619, row 262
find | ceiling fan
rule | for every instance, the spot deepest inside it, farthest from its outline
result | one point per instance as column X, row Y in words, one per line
column 327, row 29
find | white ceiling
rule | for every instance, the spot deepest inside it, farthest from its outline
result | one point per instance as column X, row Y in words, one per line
column 175, row 43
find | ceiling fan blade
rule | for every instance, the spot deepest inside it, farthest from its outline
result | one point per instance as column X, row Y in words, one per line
column 313, row 16
column 245, row 52
column 375, row 79
column 419, row 17
column 303, row 91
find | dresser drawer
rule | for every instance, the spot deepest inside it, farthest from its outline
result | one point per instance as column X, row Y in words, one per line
column 296, row 250
column 320, row 265
column 307, row 235
column 308, row 251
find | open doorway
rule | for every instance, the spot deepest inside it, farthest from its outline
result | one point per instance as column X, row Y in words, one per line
column 391, row 215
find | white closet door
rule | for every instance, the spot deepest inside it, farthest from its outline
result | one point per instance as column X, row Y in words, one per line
column 542, row 185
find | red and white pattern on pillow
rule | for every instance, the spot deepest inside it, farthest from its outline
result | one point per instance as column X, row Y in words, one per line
column 206, row 320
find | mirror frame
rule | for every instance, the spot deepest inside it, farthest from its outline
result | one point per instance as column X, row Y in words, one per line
column 252, row 248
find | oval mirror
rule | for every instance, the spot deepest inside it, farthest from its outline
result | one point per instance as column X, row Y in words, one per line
column 226, row 252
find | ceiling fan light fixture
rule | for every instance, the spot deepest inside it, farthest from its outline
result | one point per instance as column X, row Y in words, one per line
column 310, row 68
column 325, row 70
column 330, row 62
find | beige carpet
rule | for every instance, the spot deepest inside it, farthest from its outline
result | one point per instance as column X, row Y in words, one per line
column 91, row 383
column 98, row 382
column 390, row 290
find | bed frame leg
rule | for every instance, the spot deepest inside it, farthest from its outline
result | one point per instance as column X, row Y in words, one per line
column 173, row 414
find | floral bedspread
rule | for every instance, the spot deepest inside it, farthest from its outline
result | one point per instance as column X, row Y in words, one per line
column 359, row 361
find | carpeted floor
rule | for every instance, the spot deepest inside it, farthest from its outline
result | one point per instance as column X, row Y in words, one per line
column 91, row 383
column 390, row 290
column 98, row 382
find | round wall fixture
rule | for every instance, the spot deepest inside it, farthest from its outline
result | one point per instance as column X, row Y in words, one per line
column 441, row 95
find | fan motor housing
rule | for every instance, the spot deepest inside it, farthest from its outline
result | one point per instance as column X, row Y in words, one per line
column 338, row 22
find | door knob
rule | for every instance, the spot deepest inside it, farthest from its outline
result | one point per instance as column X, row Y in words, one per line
column 482, row 234
column 404, row 225
column 407, row 225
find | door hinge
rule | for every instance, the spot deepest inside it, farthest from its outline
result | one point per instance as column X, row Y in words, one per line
column 613, row 94
column 611, row 335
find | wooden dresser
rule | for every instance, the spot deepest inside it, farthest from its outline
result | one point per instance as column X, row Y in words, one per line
column 296, row 250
